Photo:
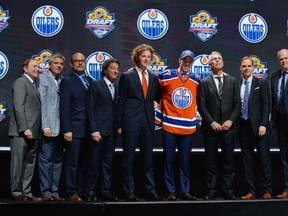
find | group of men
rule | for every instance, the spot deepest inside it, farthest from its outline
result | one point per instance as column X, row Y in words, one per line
column 86, row 117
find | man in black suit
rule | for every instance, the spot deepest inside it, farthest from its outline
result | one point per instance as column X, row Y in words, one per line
column 219, row 105
column 101, row 110
column 136, row 120
column 254, row 129
column 74, row 126
column 279, row 114
column 24, row 131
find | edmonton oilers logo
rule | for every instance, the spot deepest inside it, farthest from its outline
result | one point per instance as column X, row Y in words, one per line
column 4, row 65
column 201, row 66
column 182, row 98
column 253, row 28
column 152, row 24
column 47, row 21
column 94, row 64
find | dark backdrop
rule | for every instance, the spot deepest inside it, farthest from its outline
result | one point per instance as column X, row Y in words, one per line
column 19, row 41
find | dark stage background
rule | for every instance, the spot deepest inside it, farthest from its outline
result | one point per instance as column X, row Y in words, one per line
column 169, row 36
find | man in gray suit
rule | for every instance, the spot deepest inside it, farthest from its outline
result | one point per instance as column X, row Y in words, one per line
column 51, row 149
column 24, row 131
column 219, row 105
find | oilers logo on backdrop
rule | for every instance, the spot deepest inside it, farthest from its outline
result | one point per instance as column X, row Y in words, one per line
column 3, row 109
column 4, row 65
column 43, row 59
column 94, row 64
column 182, row 98
column 100, row 22
column 47, row 21
column 260, row 68
column 203, row 25
column 200, row 66
column 152, row 24
column 4, row 16
column 253, row 28
column 158, row 64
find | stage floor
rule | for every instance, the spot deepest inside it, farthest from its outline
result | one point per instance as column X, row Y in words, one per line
column 217, row 207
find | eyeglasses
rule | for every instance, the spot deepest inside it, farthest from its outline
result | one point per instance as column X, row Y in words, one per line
column 79, row 60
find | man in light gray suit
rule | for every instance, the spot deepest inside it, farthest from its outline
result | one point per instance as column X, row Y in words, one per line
column 51, row 149
column 24, row 131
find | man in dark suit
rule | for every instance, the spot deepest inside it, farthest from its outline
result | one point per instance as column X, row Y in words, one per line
column 24, row 131
column 136, row 120
column 74, row 126
column 101, row 110
column 279, row 112
column 219, row 105
column 254, row 130
column 50, row 158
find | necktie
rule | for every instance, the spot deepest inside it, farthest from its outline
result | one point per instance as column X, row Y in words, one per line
column 281, row 102
column 144, row 84
column 220, row 86
column 58, row 80
column 112, row 90
column 245, row 107
column 85, row 81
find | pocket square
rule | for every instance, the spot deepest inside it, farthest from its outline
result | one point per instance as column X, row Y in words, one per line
column 257, row 88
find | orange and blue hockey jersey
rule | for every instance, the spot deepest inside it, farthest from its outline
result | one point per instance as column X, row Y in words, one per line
column 176, row 112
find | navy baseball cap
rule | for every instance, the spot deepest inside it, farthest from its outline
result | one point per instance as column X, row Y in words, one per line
column 187, row 53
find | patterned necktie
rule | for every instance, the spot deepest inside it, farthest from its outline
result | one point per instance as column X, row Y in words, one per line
column 112, row 90
column 245, row 108
column 281, row 101
column 220, row 86
column 85, row 81
column 144, row 84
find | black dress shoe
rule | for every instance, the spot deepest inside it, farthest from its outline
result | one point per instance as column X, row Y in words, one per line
column 153, row 197
column 130, row 197
column 229, row 197
column 210, row 196
column 109, row 198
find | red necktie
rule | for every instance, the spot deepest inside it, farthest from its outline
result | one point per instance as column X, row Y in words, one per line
column 144, row 84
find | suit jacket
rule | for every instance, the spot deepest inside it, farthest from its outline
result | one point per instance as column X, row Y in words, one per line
column 50, row 97
column 73, row 116
column 26, row 108
column 274, row 79
column 132, row 105
column 101, row 108
column 212, row 108
column 259, row 104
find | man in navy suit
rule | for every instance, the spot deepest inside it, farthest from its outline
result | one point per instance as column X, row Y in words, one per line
column 254, row 130
column 50, row 158
column 279, row 112
column 74, row 126
column 136, row 120
column 101, row 110
column 219, row 105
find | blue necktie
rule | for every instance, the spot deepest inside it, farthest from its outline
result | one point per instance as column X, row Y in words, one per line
column 245, row 108
column 281, row 101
